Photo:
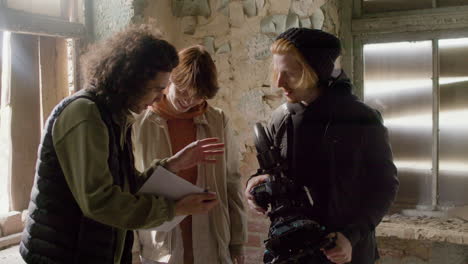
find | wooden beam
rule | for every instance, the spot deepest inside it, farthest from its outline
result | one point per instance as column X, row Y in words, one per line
column 357, row 8
column 411, row 23
column 53, row 66
column 27, row 23
column 25, row 117
column 347, row 37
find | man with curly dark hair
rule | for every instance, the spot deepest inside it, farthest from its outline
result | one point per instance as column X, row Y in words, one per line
column 84, row 202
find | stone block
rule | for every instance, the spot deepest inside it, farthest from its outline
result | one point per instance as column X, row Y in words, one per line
column 273, row 25
column 277, row 24
column 223, row 7
column 260, row 4
column 317, row 19
column 236, row 14
column 11, row 223
column 306, row 23
column 182, row 8
column 305, row 8
column 262, row 9
column 280, row 7
column 8, row 241
column 225, row 48
column 217, row 26
column 208, row 42
column 250, row 8
column 189, row 24
column 258, row 48
column 291, row 21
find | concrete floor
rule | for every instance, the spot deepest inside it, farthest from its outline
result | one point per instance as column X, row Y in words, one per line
column 11, row 256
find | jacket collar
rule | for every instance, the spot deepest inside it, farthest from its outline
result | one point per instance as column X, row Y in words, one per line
column 159, row 120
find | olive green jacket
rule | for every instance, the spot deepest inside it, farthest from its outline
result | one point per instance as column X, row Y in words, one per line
column 81, row 142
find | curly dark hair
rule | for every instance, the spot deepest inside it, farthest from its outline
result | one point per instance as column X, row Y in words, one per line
column 118, row 69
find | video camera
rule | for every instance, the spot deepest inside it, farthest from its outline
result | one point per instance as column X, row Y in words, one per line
column 293, row 237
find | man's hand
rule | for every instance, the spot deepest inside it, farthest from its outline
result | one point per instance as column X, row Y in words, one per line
column 200, row 151
column 200, row 203
column 250, row 198
column 238, row 259
column 342, row 252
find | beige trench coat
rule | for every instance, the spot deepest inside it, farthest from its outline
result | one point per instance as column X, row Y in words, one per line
column 218, row 234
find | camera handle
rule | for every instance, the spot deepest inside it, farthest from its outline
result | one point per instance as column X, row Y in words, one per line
column 311, row 201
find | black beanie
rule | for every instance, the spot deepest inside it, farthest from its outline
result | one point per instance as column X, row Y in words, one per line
column 319, row 48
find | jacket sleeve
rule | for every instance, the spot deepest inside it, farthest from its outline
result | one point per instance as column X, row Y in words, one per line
column 143, row 176
column 237, row 212
column 82, row 150
column 379, row 180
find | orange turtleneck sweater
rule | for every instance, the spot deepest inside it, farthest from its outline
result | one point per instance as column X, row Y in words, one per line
column 182, row 131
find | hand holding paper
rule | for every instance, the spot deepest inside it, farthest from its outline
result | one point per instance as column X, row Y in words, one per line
column 190, row 199
column 196, row 204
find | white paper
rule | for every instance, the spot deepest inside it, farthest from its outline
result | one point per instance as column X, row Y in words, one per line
column 165, row 183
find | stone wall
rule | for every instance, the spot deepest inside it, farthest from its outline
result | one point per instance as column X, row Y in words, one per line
column 109, row 16
column 238, row 34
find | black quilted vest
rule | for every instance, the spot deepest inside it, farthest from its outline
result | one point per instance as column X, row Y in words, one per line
column 56, row 230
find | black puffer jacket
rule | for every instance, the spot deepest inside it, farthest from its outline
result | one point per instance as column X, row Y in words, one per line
column 340, row 150
column 56, row 231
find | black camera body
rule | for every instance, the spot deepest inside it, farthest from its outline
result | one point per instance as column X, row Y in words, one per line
column 293, row 237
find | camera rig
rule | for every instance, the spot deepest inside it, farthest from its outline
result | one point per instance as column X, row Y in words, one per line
column 293, row 237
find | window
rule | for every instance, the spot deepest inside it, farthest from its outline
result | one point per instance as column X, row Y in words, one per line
column 68, row 10
column 410, row 64
column 380, row 6
column 38, row 70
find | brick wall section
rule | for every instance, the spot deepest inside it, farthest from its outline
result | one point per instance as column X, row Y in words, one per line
column 258, row 232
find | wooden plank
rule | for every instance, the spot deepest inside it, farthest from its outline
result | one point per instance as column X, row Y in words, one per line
column 25, row 117
column 54, row 73
column 347, row 37
column 23, row 22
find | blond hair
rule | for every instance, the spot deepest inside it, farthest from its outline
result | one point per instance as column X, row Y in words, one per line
column 309, row 77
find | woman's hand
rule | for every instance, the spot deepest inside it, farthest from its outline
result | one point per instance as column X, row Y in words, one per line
column 250, row 198
column 200, row 151
column 200, row 203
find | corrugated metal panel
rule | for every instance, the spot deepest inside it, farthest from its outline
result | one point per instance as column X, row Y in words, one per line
column 453, row 152
column 398, row 82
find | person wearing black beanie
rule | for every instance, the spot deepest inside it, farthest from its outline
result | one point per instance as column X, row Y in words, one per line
column 319, row 48
column 335, row 147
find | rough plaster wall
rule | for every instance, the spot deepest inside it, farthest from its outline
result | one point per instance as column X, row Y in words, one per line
column 239, row 33
column 110, row 16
